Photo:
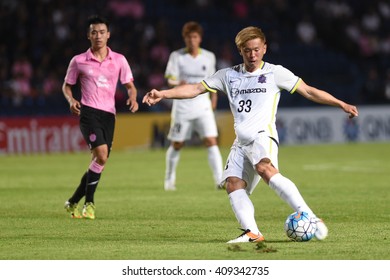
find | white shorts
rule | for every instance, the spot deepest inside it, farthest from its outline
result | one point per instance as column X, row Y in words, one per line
column 242, row 160
column 182, row 129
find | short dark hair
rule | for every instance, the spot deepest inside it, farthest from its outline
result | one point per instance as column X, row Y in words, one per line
column 96, row 19
column 190, row 27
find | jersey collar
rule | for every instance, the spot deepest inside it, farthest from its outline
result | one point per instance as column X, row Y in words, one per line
column 90, row 56
column 261, row 66
column 187, row 51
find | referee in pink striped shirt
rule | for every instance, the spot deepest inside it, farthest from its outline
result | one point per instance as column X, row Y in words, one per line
column 98, row 71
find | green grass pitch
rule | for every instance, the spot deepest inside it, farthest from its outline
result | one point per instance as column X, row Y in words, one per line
column 347, row 185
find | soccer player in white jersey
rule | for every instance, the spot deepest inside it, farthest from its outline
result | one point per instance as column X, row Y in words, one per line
column 190, row 65
column 253, row 89
column 98, row 71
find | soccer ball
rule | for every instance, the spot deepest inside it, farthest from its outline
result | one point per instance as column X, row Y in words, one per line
column 299, row 226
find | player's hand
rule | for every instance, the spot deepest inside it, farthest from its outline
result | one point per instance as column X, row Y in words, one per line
column 133, row 105
column 351, row 110
column 75, row 107
column 152, row 97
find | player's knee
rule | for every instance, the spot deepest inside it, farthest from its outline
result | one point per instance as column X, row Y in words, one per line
column 177, row 145
column 234, row 183
column 265, row 169
column 101, row 156
column 210, row 141
column 101, row 159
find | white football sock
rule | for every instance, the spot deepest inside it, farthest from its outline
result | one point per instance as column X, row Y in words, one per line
column 215, row 162
column 243, row 209
column 171, row 160
column 289, row 192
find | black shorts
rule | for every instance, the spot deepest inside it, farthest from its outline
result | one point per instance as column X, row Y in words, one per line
column 97, row 127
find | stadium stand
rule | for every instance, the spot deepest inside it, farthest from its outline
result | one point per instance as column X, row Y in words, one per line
column 342, row 46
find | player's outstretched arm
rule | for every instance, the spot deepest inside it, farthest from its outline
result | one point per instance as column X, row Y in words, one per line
column 180, row 92
column 323, row 97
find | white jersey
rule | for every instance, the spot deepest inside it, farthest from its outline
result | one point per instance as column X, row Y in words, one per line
column 253, row 97
column 184, row 67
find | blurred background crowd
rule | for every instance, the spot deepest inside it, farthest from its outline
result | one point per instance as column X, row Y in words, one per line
column 342, row 46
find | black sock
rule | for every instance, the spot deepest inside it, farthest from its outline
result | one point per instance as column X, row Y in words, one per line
column 80, row 191
column 92, row 183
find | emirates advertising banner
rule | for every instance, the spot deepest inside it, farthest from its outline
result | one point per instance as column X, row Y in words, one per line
column 28, row 135
column 299, row 126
